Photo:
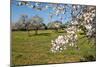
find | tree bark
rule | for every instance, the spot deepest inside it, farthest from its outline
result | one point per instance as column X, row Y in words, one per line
column 36, row 31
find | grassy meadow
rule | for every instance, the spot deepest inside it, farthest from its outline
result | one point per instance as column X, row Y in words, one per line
column 35, row 49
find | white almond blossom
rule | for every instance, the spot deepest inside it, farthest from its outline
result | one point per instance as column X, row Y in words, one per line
column 63, row 41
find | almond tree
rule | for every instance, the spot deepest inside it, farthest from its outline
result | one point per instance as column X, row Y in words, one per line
column 55, row 25
column 37, row 23
column 21, row 23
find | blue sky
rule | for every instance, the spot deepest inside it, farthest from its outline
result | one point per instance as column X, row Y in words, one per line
column 17, row 11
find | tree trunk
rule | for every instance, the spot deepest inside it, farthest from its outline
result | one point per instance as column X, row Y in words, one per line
column 56, row 30
column 28, row 32
column 36, row 31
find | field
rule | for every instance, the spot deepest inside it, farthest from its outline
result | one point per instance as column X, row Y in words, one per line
column 35, row 49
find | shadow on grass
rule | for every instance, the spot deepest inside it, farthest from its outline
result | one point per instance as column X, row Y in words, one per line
column 40, row 34
column 58, row 31
column 61, row 32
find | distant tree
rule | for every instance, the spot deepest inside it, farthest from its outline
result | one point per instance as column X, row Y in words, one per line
column 23, row 24
column 13, row 26
column 55, row 25
column 20, row 24
column 37, row 23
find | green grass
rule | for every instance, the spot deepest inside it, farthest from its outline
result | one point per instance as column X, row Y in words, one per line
column 35, row 49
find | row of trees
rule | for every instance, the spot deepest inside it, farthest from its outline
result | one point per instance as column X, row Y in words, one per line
column 36, row 23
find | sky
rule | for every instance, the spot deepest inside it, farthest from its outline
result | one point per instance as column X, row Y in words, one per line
column 17, row 11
